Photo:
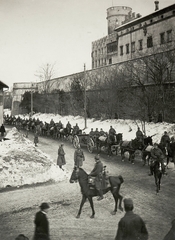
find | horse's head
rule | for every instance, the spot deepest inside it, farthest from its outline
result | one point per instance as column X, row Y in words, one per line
column 148, row 141
column 74, row 175
column 78, row 174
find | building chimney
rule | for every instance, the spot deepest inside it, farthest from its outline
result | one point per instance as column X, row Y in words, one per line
column 156, row 5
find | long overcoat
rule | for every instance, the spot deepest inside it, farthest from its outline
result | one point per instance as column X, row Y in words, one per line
column 78, row 157
column 131, row 227
column 61, row 156
column 41, row 226
column 97, row 173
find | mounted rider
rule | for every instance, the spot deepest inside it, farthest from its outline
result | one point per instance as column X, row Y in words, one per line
column 139, row 135
column 68, row 127
column 156, row 155
column 76, row 129
column 91, row 133
column 165, row 140
column 102, row 133
column 97, row 173
column 112, row 131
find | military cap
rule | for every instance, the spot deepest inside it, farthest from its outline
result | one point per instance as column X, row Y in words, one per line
column 128, row 202
column 96, row 157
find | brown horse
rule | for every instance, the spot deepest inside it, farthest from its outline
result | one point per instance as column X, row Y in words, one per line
column 89, row 192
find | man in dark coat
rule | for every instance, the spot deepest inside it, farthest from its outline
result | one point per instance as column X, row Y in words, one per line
column 2, row 130
column 78, row 157
column 171, row 234
column 139, row 135
column 97, row 173
column 61, row 156
column 131, row 226
column 165, row 140
column 41, row 223
column 157, row 155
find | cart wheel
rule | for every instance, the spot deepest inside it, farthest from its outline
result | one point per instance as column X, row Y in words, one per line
column 75, row 141
column 90, row 145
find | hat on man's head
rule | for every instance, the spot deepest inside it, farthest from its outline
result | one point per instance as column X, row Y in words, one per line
column 44, row 205
column 96, row 157
column 128, row 202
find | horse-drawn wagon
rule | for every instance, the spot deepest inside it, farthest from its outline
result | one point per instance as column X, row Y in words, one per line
column 81, row 139
column 108, row 144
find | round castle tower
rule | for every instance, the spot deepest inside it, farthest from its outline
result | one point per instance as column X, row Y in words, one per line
column 115, row 16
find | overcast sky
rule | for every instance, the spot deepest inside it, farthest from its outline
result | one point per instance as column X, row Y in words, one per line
column 60, row 32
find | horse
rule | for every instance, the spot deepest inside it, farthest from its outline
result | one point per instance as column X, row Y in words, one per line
column 157, row 171
column 110, row 143
column 133, row 145
column 89, row 192
column 65, row 133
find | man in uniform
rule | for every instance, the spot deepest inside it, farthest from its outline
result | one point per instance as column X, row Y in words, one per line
column 157, row 155
column 91, row 133
column 131, row 226
column 139, row 135
column 97, row 173
column 112, row 131
column 165, row 140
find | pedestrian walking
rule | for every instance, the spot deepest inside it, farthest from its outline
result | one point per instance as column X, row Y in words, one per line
column 61, row 156
column 36, row 139
column 41, row 223
column 131, row 226
column 78, row 157
column 2, row 130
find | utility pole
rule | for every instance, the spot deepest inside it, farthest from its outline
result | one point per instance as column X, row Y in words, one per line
column 85, row 117
column 31, row 100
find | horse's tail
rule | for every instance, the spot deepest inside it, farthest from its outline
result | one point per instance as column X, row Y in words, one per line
column 121, row 179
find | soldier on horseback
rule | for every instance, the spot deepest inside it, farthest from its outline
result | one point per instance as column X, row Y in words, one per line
column 157, row 155
column 165, row 140
column 112, row 131
column 139, row 135
column 97, row 173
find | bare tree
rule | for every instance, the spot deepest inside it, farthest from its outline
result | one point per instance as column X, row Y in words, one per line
column 45, row 75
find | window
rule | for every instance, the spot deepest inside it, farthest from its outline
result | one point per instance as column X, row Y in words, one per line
column 133, row 47
column 110, row 61
column 162, row 38
column 127, row 48
column 141, row 44
column 121, row 50
column 149, row 42
column 169, row 36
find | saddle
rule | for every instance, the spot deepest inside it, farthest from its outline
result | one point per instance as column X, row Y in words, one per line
column 105, row 181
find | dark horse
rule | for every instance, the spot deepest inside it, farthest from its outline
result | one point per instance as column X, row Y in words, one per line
column 157, row 170
column 168, row 151
column 89, row 192
column 133, row 145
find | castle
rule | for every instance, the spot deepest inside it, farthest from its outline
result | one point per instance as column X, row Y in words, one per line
column 130, row 37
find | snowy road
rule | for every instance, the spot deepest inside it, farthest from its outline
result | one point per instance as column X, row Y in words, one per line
column 18, row 207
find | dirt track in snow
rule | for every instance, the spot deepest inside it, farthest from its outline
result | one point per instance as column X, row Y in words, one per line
column 18, row 206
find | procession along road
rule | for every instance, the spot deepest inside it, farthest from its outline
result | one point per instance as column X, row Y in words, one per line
column 18, row 206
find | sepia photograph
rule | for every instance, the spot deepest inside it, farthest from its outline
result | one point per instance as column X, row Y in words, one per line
column 87, row 120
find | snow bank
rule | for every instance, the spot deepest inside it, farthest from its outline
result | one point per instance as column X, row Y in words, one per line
column 21, row 163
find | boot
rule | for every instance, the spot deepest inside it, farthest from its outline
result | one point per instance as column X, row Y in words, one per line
column 100, row 195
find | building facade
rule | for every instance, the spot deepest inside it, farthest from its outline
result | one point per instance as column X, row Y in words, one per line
column 2, row 86
column 18, row 90
column 131, row 36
